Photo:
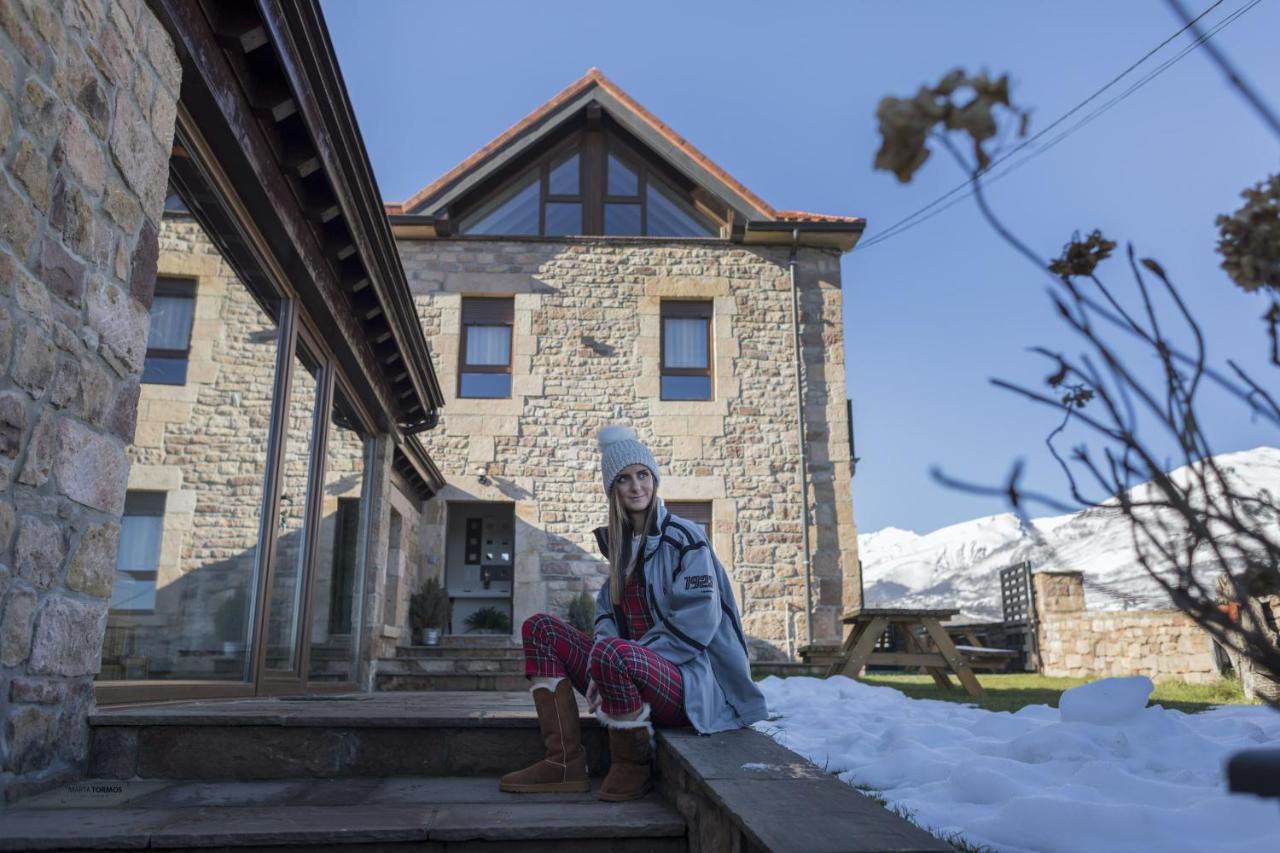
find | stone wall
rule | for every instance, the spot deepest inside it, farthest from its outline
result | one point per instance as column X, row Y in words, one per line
column 586, row 352
column 87, row 102
column 1075, row 642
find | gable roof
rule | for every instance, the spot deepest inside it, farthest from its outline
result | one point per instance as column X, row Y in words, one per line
column 671, row 146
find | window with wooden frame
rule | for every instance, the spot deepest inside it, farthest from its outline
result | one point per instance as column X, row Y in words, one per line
column 169, row 341
column 686, row 350
column 594, row 185
column 696, row 511
column 484, row 354
column 138, row 553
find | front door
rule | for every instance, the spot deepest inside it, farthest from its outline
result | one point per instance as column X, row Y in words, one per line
column 479, row 567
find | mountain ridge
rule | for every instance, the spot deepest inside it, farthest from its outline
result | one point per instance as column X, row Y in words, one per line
column 959, row 565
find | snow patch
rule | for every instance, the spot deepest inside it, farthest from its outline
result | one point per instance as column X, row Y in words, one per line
column 1108, row 701
column 1039, row 779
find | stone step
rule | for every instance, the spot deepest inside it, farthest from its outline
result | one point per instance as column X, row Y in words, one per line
column 459, row 652
column 438, row 733
column 472, row 641
column 458, row 813
column 502, row 681
column 450, row 665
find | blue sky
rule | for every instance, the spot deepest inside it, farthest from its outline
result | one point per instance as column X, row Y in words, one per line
column 784, row 98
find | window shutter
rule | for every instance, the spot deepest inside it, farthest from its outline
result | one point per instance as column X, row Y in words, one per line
column 699, row 511
column 488, row 311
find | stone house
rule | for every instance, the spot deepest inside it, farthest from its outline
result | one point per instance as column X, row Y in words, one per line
column 590, row 265
column 223, row 367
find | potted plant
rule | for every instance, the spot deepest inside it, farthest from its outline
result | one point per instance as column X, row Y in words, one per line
column 428, row 611
column 489, row 620
column 582, row 613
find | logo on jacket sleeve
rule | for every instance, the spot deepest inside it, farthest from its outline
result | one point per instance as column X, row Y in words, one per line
column 697, row 582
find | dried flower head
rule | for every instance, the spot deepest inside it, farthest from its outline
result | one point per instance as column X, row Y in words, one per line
column 1250, row 244
column 905, row 123
column 1080, row 257
column 1077, row 396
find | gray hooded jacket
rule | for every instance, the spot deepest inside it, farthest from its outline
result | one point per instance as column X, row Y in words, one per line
column 695, row 623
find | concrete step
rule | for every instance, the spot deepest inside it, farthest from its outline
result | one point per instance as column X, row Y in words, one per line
column 440, row 813
column 450, row 665
column 502, row 681
column 438, row 733
column 457, row 651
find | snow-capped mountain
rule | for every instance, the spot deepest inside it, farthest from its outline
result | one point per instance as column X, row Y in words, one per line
column 959, row 565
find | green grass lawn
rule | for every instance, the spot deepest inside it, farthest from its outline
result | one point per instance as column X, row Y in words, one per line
column 1013, row 691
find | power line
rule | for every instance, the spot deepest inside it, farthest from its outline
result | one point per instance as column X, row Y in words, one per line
column 920, row 216
column 912, row 220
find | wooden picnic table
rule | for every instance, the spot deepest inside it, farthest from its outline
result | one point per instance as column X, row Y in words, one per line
column 869, row 623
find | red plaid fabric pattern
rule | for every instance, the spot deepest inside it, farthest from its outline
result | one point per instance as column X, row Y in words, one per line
column 634, row 609
column 626, row 673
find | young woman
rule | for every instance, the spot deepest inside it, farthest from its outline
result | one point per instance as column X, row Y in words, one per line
column 668, row 646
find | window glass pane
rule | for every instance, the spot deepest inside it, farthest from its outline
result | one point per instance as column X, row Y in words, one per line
column 488, row 345
column 138, row 553
column 187, row 559
column 171, row 321
column 133, row 593
column 684, row 342
column 173, row 203
column 622, row 179
column 162, row 370
column 671, row 216
column 139, row 549
column 514, row 212
column 563, row 219
column 622, row 220
column 563, row 179
column 686, row 387
column 486, row 385
column 335, row 597
column 284, row 599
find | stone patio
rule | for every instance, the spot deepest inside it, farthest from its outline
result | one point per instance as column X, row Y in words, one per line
column 418, row 771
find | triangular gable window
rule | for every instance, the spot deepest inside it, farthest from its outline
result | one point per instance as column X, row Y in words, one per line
column 512, row 212
column 591, row 185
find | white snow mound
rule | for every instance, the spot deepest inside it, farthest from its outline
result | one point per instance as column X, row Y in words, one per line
column 1039, row 779
column 1107, row 701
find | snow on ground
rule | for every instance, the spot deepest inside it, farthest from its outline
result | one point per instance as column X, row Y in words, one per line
column 1103, row 774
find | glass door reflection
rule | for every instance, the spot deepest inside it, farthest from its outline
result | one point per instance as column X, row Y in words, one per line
column 288, row 576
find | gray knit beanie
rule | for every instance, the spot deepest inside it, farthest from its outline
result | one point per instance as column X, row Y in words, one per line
column 619, row 448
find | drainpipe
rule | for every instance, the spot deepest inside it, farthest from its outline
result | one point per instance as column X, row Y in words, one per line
column 802, row 472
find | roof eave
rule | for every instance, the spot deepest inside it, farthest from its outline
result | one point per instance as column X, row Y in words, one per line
column 823, row 235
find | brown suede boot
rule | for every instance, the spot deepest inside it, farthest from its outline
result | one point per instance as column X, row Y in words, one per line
column 565, row 766
column 630, row 754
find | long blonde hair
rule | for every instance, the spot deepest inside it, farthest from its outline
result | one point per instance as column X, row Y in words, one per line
column 619, row 522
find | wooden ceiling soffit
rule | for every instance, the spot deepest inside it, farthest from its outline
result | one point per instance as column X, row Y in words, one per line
column 262, row 79
column 412, row 462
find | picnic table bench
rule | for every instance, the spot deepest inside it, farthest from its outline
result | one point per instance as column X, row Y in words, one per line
column 859, row 648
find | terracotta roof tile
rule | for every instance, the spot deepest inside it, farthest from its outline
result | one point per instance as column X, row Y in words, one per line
column 804, row 216
column 594, row 77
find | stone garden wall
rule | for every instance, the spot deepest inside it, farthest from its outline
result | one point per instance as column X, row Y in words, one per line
column 586, row 352
column 1075, row 642
column 87, row 101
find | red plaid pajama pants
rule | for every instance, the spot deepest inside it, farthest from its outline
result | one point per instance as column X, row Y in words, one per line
column 627, row 674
